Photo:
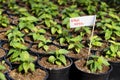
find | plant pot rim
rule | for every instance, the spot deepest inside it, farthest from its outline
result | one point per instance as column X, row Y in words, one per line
column 71, row 62
column 110, row 69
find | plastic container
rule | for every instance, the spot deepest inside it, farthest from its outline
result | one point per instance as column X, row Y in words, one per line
column 115, row 74
column 59, row 74
column 80, row 75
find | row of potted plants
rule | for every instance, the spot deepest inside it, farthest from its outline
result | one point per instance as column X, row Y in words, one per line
column 29, row 38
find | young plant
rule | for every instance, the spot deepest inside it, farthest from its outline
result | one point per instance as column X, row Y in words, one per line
column 75, row 43
column 27, row 23
column 37, row 33
column 16, row 38
column 58, row 57
column 4, row 21
column 44, row 43
column 23, row 58
column 113, row 51
column 44, row 10
column 68, row 13
column 96, row 63
column 62, row 38
column 95, row 41
column 2, row 76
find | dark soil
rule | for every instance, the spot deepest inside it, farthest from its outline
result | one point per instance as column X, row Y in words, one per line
column 46, row 64
column 2, row 53
column 30, row 39
column 3, row 35
column 38, row 74
column 35, row 49
column 83, row 54
column 81, row 65
column 5, row 46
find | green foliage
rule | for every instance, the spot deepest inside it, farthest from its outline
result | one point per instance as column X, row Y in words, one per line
column 37, row 33
column 16, row 38
column 113, row 51
column 4, row 21
column 75, row 43
column 2, row 76
column 96, row 63
column 58, row 57
column 23, row 58
column 96, row 41
column 68, row 13
column 27, row 23
column 62, row 38
column 44, row 43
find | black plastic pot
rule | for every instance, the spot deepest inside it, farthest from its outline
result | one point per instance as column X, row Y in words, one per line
column 80, row 75
column 115, row 74
column 45, row 78
column 59, row 73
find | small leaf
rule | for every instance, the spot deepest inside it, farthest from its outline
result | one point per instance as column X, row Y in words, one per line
column 25, row 67
column 62, row 59
column 66, row 20
column 51, row 59
column 20, row 68
column 2, row 76
column 108, row 34
column 45, row 47
column 71, row 46
column 40, row 45
column 58, row 63
column 47, row 22
column 62, row 40
column 53, row 30
column 32, row 67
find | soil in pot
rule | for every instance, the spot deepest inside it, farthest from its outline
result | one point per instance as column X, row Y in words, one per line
column 2, row 53
column 56, row 72
column 38, row 74
column 5, row 45
column 4, row 29
column 83, row 73
column 75, row 56
column 40, row 51
column 3, row 35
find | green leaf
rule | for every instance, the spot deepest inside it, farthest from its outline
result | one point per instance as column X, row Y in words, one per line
column 52, row 59
column 108, row 34
column 32, row 66
column 65, row 21
column 71, row 46
column 2, row 67
column 2, row 76
column 47, row 22
column 90, row 62
column 24, row 56
column 20, row 68
column 42, row 31
column 45, row 47
column 53, row 30
column 62, row 40
column 114, row 48
column 25, row 67
column 40, row 45
column 62, row 51
column 62, row 59
column 58, row 63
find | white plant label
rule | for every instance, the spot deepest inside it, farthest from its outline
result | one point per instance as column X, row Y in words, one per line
column 82, row 21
